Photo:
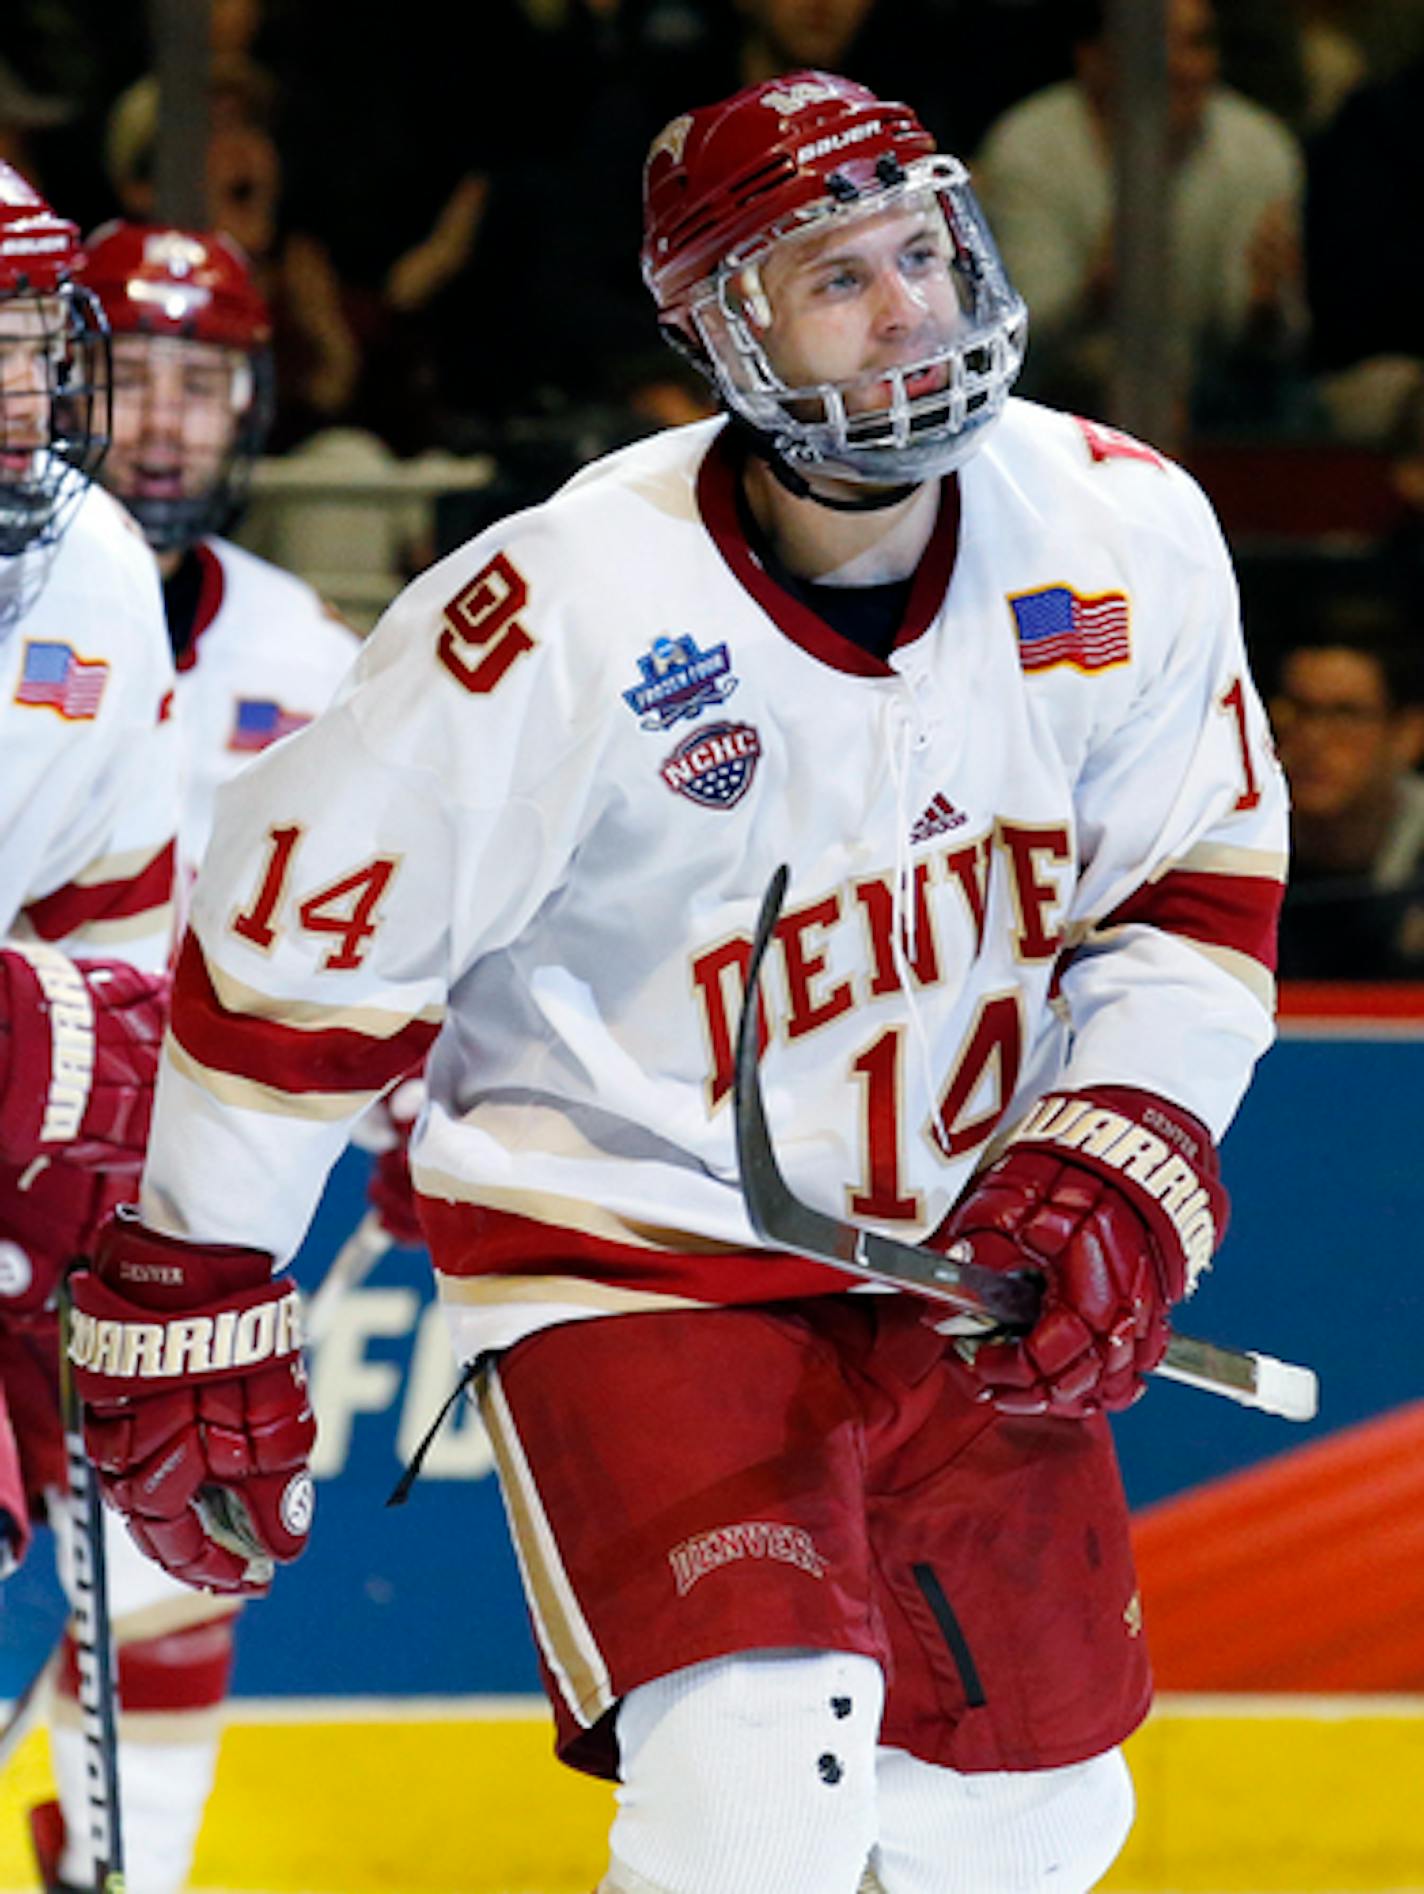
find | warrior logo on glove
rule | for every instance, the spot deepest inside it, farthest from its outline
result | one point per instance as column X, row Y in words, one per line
column 1112, row 1195
column 188, row 1360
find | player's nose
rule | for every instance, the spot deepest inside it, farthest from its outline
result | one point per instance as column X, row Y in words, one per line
column 899, row 306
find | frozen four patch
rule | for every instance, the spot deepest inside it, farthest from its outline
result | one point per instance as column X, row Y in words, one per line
column 714, row 766
column 679, row 681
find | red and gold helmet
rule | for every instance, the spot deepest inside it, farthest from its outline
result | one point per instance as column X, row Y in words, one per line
column 182, row 287
column 54, row 388
column 779, row 162
column 155, row 280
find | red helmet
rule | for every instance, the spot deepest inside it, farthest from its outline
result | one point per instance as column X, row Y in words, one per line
column 725, row 183
column 60, row 420
column 39, row 251
column 155, row 280
column 188, row 286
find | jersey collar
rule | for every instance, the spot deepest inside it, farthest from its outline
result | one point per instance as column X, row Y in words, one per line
column 717, row 480
column 211, row 586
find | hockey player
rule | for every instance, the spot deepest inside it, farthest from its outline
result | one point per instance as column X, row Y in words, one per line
column 88, row 795
column 258, row 654
column 258, row 651
column 824, row 1586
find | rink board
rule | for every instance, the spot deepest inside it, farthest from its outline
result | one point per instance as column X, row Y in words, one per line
column 415, row 1608
column 1242, row 1797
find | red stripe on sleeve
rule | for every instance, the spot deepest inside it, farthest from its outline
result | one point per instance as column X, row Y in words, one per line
column 1235, row 911
column 334, row 1059
column 70, row 908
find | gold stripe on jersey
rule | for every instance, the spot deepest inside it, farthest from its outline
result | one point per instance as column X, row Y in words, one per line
column 572, row 1292
column 155, row 922
column 374, row 1022
column 564, row 1635
column 127, row 865
column 1220, row 858
column 569, row 1213
column 250, row 1095
column 1259, row 981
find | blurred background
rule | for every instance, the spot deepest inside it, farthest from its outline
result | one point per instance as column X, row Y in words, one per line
column 1215, row 209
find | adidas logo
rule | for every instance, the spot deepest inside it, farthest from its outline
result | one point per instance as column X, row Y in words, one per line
column 939, row 817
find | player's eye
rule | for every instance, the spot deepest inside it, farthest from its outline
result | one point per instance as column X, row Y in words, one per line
column 921, row 258
column 843, row 280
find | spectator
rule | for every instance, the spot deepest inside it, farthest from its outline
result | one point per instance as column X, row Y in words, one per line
column 317, row 354
column 1348, row 710
column 1365, row 193
column 23, row 113
column 1045, row 174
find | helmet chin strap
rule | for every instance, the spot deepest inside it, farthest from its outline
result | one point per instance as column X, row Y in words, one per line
column 874, row 500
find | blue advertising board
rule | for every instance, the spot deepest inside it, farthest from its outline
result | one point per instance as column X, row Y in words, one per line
column 424, row 1599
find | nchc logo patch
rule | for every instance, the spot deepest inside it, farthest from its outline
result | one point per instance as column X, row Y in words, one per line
column 714, row 766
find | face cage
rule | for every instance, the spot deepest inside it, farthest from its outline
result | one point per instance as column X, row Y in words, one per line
column 175, row 525
column 913, row 438
column 36, row 508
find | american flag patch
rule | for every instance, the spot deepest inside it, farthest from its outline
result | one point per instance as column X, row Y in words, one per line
column 260, row 721
column 1061, row 626
column 55, row 675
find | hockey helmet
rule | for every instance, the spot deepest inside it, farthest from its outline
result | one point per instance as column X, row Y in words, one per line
column 54, row 373
column 786, row 162
column 185, row 288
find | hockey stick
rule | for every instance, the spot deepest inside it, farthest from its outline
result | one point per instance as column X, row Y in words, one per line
column 1011, row 1301
column 93, row 1640
column 353, row 1262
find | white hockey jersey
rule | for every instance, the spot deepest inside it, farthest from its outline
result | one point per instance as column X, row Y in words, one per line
column 89, row 769
column 266, row 655
column 1043, row 844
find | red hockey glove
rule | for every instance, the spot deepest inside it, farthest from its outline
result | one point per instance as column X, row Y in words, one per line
column 50, row 1213
column 386, row 1130
column 196, row 1413
column 1113, row 1195
column 79, row 1044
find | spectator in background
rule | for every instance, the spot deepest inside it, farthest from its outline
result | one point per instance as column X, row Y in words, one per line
column 317, row 354
column 1364, row 269
column 23, row 113
column 1045, row 176
column 1348, row 710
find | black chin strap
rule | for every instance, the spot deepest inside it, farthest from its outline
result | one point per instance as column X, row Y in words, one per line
column 874, row 500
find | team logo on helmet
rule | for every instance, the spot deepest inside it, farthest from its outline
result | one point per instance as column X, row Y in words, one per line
column 714, row 766
column 671, row 139
column 173, row 251
column 679, row 681
column 795, row 98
